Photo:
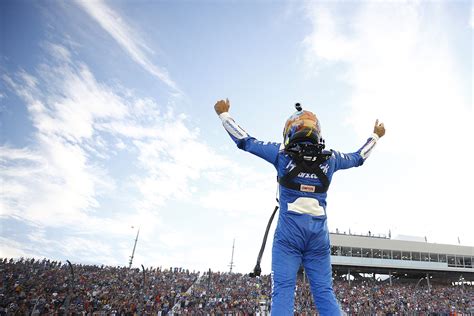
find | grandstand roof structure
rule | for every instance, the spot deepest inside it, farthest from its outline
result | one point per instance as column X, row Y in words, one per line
column 371, row 254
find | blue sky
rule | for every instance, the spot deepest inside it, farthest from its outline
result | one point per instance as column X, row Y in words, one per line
column 107, row 123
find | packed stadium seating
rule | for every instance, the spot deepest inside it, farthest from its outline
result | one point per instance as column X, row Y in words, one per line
column 45, row 287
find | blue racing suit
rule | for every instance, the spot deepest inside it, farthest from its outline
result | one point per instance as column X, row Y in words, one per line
column 301, row 235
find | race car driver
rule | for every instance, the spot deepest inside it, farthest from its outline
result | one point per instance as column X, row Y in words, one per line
column 304, row 171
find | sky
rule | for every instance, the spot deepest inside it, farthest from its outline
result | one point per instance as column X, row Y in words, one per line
column 107, row 124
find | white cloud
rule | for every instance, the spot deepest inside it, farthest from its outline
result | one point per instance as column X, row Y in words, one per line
column 403, row 69
column 14, row 249
column 59, row 52
column 88, row 248
column 64, row 183
column 471, row 20
column 127, row 38
column 61, row 180
column 326, row 42
column 257, row 188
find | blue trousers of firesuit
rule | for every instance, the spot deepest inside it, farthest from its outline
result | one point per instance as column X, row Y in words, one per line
column 302, row 239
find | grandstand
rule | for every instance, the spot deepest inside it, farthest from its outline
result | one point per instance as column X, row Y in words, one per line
column 372, row 276
column 400, row 258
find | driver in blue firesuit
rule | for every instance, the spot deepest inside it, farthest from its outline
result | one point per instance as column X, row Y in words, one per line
column 301, row 235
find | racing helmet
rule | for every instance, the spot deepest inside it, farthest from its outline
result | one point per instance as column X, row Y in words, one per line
column 302, row 126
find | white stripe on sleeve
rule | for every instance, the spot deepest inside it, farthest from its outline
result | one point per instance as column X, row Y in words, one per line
column 367, row 149
column 233, row 128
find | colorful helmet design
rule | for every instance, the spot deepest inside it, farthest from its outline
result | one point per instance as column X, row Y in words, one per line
column 302, row 126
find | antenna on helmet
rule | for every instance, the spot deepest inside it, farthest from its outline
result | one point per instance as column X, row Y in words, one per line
column 298, row 107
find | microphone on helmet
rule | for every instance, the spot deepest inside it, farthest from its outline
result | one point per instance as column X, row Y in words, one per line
column 298, row 107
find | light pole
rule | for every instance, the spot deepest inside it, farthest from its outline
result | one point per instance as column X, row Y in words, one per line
column 231, row 265
column 133, row 251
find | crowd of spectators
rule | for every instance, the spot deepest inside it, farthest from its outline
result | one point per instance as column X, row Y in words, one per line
column 370, row 297
column 45, row 287
column 226, row 294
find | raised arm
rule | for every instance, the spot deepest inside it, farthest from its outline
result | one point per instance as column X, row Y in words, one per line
column 236, row 132
column 345, row 161
column 267, row 151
